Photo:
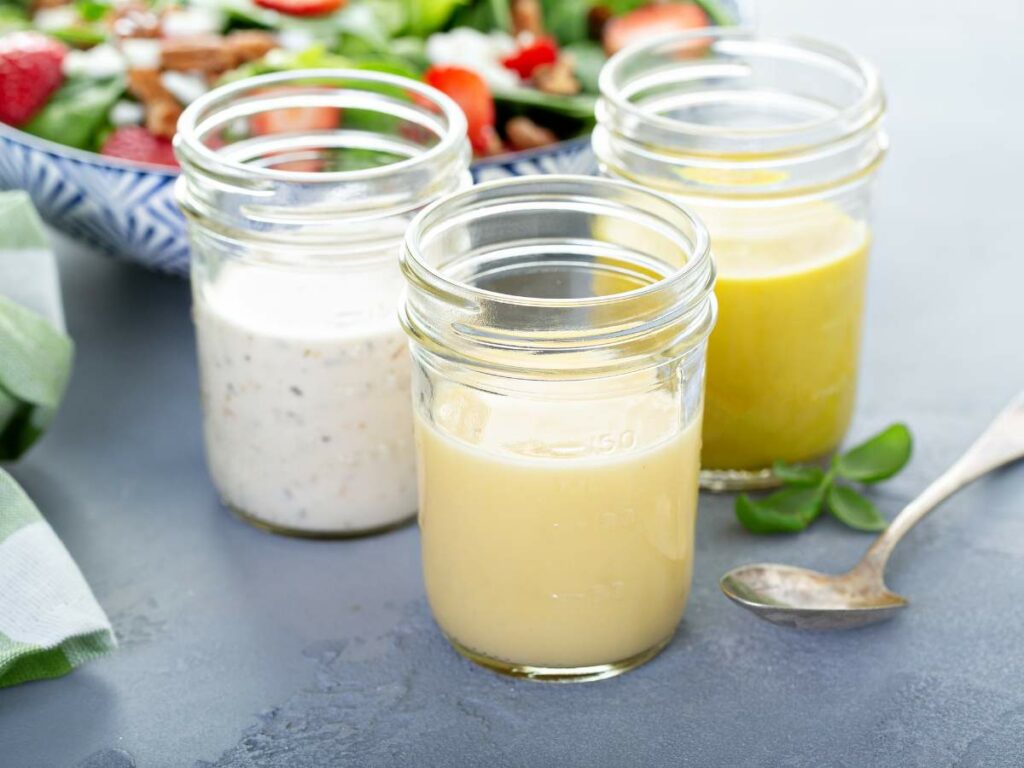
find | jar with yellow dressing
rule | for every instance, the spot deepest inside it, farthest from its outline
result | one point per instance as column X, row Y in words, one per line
column 559, row 327
column 774, row 143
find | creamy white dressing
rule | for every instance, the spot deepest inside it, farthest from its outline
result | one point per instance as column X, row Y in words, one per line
column 304, row 376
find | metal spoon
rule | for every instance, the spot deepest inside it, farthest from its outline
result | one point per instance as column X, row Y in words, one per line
column 798, row 597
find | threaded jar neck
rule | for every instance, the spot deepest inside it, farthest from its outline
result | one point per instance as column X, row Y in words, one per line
column 315, row 157
column 731, row 113
column 550, row 276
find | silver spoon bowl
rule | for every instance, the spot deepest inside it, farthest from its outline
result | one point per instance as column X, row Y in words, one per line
column 806, row 599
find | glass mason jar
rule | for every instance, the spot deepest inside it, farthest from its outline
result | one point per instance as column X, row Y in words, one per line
column 773, row 143
column 558, row 328
column 298, row 188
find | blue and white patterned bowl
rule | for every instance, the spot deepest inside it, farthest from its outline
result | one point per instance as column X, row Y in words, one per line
column 127, row 209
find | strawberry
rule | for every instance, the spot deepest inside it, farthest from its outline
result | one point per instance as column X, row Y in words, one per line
column 651, row 20
column 30, row 72
column 470, row 92
column 294, row 120
column 537, row 51
column 133, row 142
column 302, row 7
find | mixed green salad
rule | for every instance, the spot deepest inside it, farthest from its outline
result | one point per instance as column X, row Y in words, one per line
column 113, row 76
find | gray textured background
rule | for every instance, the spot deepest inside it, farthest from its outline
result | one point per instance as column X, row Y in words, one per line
column 244, row 649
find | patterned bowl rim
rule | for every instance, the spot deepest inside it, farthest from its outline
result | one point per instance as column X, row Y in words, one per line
column 81, row 155
column 102, row 161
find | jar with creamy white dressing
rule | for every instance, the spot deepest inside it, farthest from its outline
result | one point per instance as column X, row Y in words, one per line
column 298, row 187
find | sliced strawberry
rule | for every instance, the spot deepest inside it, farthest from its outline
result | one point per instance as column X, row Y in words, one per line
column 470, row 92
column 652, row 20
column 302, row 7
column 30, row 72
column 536, row 51
column 294, row 120
column 133, row 142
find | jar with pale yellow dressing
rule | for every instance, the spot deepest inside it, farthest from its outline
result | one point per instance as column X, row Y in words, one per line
column 558, row 329
column 773, row 143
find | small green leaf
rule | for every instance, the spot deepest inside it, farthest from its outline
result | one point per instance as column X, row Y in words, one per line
column 82, row 36
column 796, row 474
column 427, row 16
column 92, row 10
column 787, row 511
column 854, row 510
column 878, row 458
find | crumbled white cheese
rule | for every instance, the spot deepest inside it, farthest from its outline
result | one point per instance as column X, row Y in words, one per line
column 294, row 39
column 482, row 53
column 127, row 113
column 141, row 53
column 102, row 61
column 52, row 19
column 185, row 87
column 278, row 57
column 188, row 22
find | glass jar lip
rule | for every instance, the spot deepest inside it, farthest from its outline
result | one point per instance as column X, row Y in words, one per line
column 413, row 258
column 187, row 141
column 862, row 113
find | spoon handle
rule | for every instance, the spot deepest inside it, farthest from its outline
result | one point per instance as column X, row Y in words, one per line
column 1000, row 444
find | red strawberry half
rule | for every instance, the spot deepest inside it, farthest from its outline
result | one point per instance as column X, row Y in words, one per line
column 30, row 71
column 297, row 119
column 470, row 92
column 302, row 7
column 534, row 53
column 133, row 142
column 650, row 20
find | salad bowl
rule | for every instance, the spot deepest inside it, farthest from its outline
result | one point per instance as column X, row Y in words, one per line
column 98, row 87
column 126, row 208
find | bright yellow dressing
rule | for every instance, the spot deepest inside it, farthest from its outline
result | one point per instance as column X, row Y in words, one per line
column 782, row 359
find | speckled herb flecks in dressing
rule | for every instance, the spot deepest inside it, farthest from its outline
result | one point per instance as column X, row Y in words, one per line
column 308, row 423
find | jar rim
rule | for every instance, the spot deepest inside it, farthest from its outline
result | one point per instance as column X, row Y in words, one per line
column 414, row 260
column 187, row 139
column 855, row 117
column 546, row 230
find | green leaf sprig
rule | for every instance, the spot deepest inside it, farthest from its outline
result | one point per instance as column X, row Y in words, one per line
column 809, row 489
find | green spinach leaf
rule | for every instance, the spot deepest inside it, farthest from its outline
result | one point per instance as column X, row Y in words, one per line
column 77, row 112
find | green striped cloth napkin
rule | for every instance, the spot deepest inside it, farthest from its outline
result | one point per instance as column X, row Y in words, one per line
column 49, row 620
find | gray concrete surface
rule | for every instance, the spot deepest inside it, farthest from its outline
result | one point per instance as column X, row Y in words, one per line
column 243, row 649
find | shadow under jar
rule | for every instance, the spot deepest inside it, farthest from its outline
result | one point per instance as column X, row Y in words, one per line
column 773, row 143
column 298, row 188
column 558, row 330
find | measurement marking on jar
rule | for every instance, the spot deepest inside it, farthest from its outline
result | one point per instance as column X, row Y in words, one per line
column 610, row 442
